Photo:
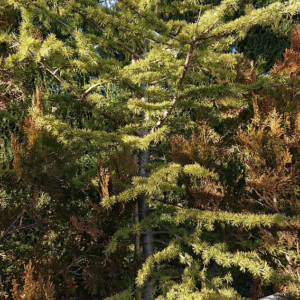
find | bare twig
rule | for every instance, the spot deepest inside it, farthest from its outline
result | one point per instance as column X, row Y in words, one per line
column 84, row 94
column 13, row 228
column 197, row 24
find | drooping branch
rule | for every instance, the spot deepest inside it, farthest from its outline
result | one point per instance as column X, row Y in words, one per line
column 80, row 96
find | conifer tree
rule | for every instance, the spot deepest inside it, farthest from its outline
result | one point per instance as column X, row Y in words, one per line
column 144, row 73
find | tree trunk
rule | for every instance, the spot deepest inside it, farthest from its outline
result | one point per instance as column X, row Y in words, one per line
column 137, row 250
column 147, row 240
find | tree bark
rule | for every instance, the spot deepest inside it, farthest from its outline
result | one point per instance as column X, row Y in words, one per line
column 147, row 239
column 137, row 248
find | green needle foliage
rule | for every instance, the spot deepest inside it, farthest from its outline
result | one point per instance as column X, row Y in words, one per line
column 152, row 162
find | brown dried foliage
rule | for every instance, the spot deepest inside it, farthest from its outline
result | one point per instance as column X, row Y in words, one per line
column 270, row 154
column 16, row 150
column 35, row 287
column 123, row 168
column 291, row 61
column 203, row 147
column 245, row 71
column 37, row 99
column 37, row 35
column 205, row 193
column 270, row 170
column 86, row 226
column 103, row 180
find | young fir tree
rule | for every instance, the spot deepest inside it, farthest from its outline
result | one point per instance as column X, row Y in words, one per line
column 146, row 72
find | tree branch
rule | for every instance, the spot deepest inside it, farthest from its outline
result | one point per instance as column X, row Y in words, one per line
column 176, row 98
column 103, row 30
column 90, row 88
column 149, row 21
column 210, row 27
column 80, row 96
